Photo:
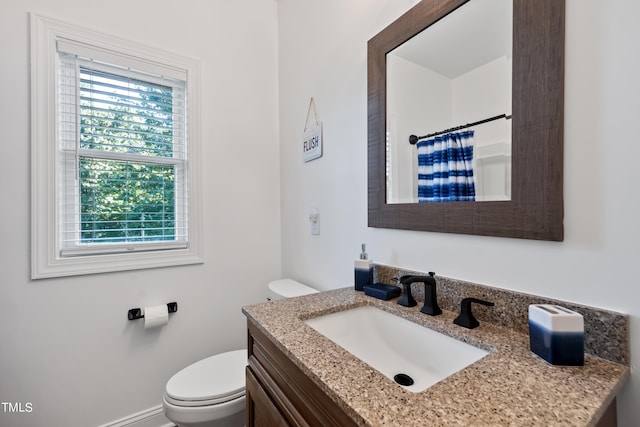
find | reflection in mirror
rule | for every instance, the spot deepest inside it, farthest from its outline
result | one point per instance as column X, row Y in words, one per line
column 456, row 72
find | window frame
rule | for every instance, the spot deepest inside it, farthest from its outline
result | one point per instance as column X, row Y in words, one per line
column 46, row 256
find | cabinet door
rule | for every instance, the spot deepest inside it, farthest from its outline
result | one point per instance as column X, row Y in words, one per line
column 261, row 411
column 298, row 400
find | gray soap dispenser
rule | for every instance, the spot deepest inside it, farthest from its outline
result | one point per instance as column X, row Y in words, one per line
column 363, row 270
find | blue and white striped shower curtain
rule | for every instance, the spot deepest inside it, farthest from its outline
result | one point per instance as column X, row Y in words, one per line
column 445, row 169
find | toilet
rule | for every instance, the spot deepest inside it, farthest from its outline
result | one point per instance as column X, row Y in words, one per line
column 211, row 392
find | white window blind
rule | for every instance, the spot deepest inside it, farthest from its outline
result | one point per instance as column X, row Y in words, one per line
column 122, row 159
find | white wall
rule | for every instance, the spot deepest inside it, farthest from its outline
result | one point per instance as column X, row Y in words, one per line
column 482, row 92
column 65, row 344
column 323, row 54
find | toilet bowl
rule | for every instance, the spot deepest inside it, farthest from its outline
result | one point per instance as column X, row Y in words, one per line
column 211, row 392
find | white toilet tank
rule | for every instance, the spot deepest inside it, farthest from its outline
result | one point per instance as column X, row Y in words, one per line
column 287, row 288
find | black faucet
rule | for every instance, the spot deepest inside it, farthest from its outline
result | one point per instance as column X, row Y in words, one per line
column 407, row 299
column 430, row 306
column 466, row 319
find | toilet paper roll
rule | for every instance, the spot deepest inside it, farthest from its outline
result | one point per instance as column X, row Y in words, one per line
column 155, row 316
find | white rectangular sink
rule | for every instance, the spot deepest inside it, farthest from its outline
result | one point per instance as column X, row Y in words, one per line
column 395, row 346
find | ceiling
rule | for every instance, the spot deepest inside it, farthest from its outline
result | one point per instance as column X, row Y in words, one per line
column 476, row 33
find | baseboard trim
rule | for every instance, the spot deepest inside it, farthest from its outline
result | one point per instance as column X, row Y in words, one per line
column 152, row 417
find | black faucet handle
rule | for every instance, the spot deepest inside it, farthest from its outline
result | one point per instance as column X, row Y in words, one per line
column 465, row 318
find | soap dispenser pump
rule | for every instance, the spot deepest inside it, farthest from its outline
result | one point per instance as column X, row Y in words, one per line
column 363, row 270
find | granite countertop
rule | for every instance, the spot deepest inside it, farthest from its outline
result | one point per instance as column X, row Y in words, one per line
column 510, row 386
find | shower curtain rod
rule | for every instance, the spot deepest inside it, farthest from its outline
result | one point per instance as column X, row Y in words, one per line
column 414, row 139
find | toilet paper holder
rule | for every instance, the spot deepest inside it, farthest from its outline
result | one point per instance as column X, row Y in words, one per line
column 136, row 313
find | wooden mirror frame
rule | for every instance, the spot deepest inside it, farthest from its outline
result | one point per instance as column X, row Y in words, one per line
column 535, row 210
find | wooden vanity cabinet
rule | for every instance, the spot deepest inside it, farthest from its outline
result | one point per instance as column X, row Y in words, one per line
column 610, row 416
column 280, row 394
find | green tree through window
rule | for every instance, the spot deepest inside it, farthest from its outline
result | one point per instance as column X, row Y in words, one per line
column 133, row 199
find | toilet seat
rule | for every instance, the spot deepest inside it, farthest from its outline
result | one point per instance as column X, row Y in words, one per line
column 211, row 381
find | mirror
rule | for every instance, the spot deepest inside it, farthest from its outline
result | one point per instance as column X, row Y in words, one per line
column 535, row 207
column 429, row 91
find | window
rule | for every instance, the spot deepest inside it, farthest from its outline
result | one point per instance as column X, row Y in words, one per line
column 122, row 158
column 113, row 141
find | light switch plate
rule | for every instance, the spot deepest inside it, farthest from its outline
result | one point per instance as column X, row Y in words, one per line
column 314, row 219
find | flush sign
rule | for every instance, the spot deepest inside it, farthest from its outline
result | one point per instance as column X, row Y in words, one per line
column 312, row 142
column 312, row 136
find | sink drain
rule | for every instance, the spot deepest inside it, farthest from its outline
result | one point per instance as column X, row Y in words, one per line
column 403, row 379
